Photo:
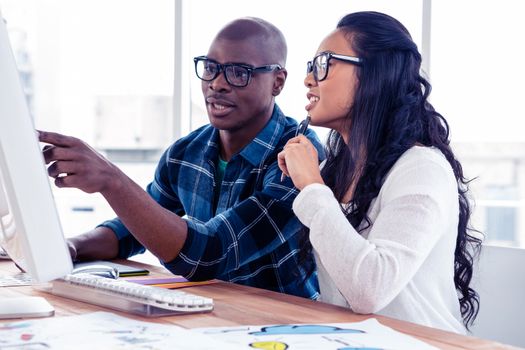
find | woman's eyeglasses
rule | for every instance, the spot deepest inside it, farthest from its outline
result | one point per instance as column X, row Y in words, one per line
column 236, row 74
column 319, row 65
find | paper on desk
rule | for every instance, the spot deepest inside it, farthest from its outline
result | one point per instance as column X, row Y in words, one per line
column 102, row 330
column 366, row 335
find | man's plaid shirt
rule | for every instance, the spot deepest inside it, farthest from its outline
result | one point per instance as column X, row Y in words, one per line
column 251, row 238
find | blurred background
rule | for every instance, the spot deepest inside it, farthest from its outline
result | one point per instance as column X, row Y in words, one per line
column 119, row 74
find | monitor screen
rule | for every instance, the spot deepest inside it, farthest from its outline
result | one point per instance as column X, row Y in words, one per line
column 30, row 229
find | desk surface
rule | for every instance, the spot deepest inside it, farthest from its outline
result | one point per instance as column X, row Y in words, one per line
column 237, row 305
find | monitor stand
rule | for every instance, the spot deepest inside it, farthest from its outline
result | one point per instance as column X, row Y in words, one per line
column 25, row 307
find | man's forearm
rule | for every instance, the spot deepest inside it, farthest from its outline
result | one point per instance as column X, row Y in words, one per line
column 156, row 228
column 159, row 230
column 98, row 244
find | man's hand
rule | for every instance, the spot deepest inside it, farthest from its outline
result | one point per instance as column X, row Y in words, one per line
column 72, row 250
column 73, row 163
column 97, row 244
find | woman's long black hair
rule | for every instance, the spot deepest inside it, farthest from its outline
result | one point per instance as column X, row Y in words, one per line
column 390, row 114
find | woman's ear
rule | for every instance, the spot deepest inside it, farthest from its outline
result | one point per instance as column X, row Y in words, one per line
column 278, row 83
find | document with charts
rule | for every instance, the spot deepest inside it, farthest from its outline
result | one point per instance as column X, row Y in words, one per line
column 102, row 330
column 366, row 335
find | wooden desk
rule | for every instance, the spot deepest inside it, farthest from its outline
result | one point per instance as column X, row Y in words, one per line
column 238, row 305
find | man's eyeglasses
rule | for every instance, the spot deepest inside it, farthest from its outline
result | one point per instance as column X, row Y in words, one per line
column 236, row 74
column 319, row 65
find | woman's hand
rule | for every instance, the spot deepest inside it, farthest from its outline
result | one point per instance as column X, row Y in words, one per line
column 299, row 160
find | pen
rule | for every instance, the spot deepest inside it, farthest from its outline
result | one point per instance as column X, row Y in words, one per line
column 301, row 130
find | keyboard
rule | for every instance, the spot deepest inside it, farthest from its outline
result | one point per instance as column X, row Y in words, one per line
column 129, row 297
column 20, row 279
column 3, row 254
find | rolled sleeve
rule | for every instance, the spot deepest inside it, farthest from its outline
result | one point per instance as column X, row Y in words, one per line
column 127, row 244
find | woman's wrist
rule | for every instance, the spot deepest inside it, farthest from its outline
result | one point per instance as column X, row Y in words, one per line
column 313, row 180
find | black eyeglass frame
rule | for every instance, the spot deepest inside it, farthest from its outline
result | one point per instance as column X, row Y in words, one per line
column 222, row 68
column 345, row 58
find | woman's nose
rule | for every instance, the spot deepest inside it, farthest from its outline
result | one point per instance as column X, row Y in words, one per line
column 309, row 80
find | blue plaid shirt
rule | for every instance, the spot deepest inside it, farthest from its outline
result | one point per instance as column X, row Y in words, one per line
column 252, row 237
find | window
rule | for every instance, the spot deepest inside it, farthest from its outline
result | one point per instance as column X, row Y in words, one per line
column 104, row 71
column 501, row 214
column 477, row 76
column 97, row 69
column 101, row 71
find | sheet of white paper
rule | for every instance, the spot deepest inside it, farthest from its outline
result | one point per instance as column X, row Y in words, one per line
column 366, row 335
column 102, row 330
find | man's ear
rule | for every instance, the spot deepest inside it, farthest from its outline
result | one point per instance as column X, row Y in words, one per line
column 278, row 83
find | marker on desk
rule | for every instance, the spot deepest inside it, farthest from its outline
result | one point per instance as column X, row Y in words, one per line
column 301, row 130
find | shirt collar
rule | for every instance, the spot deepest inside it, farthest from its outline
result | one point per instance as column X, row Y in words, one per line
column 266, row 140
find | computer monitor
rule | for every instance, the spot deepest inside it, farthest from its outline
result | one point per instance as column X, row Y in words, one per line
column 30, row 229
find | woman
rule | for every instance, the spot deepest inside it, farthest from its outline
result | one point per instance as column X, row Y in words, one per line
column 388, row 212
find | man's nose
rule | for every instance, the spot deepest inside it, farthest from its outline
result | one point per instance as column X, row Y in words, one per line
column 220, row 83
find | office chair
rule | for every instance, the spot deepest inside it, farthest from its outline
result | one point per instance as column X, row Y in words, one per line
column 499, row 278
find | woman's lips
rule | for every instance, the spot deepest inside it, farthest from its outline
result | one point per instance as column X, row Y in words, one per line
column 313, row 100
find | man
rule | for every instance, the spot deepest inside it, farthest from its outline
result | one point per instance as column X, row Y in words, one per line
column 239, row 224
